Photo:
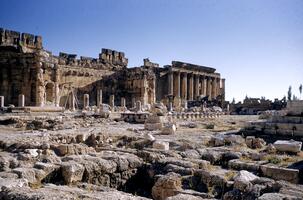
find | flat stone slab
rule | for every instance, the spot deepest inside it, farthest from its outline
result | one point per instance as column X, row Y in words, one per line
column 280, row 173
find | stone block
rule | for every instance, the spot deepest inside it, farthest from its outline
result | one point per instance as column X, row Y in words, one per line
column 161, row 145
column 72, row 172
column 279, row 173
column 288, row 146
column 169, row 129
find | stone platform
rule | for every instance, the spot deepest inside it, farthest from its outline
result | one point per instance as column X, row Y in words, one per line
column 135, row 117
column 36, row 109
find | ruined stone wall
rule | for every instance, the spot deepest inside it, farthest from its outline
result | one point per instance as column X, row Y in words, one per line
column 26, row 68
column 18, row 75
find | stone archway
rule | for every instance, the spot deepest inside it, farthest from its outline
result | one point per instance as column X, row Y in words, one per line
column 49, row 93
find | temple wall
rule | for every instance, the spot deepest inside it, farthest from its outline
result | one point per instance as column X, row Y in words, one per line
column 26, row 68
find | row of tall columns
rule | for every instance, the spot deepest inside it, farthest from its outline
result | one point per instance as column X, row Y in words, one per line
column 189, row 86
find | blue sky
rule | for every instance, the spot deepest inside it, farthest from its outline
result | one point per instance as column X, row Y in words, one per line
column 257, row 45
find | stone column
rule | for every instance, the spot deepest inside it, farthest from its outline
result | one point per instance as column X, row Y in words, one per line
column 223, row 89
column 204, row 81
column 170, row 83
column 85, row 101
column 21, row 100
column 214, row 88
column 218, row 86
column 209, row 88
column 177, row 84
column 197, row 89
column 99, row 98
column 72, row 102
column 123, row 103
column 112, row 101
column 191, row 87
column 1, row 101
column 133, row 102
column 184, row 86
column 138, row 106
column 57, row 96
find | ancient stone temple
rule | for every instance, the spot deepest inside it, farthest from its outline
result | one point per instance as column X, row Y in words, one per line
column 188, row 82
column 48, row 80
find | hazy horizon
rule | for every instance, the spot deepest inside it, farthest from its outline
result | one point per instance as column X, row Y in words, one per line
column 256, row 45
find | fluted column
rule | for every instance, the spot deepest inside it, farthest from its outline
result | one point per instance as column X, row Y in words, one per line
column 197, row 89
column 218, row 86
column 223, row 89
column 184, row 86
column 204, row 85
column 177, row 84
column 208, row 92
column 170, row 83
column 214, row 88
column 191, row 87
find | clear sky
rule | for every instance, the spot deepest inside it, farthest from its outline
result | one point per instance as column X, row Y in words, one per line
column 257, row 45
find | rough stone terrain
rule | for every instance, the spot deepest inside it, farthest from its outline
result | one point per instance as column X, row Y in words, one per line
column 81, row 156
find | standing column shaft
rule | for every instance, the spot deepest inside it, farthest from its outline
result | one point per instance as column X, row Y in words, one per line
column 177, row 84
column 191, row 87
column 99, row 97
column 197, row 89
column 123, row 102
column 223, row 89
column 204, row 81
column 184, row 86
column 112, row 101
column 86, row 101
column 72, row 102
column 214, row 88
column 218, row 86
column 21, row 100
column 1, row 101
column 209, row 88
column 170, row 83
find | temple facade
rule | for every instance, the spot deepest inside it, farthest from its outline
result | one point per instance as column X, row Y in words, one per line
column 47, row 80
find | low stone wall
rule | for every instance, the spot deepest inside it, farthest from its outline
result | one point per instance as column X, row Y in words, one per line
column 194, row 115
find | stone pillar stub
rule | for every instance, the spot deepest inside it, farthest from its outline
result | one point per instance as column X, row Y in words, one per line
column 1, row 101
column 86, row 101
column 21, row 100
column 133, row 102
column 72, row 102
column 138, row 106
column 99, row 98
column 112, row 101
column 123, row 102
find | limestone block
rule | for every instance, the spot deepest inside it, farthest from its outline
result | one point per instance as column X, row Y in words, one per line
column 72, row 172
column 242, row 181
column 149, row 137
column 288, row 146
column 162, row 145
column 153, row 126
column 169, row 129
column 9, row 183
column 244, row 165
column 279, row 173
column 166, row 186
